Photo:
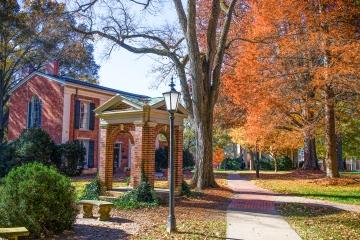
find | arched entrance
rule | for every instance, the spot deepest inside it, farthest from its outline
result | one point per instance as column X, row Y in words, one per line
column 141, row 122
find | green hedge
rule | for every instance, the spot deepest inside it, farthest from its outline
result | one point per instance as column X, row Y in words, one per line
column 39, row 198
column 35, row 145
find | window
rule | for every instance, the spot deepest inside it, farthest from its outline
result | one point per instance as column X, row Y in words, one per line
column 34, row 113
column 84, row 115
column 89, row 152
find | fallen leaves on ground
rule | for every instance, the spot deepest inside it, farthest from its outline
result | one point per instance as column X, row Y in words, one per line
column 321, row 223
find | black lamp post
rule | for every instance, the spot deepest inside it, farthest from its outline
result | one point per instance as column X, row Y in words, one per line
column 171, row 99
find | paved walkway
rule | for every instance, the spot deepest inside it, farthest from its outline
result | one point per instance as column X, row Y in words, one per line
column 252, row 215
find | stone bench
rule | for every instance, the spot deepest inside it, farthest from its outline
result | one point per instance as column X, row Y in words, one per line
column 13, row 233
column 104, row 208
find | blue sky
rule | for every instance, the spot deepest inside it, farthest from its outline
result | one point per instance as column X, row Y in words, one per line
column 127, row 71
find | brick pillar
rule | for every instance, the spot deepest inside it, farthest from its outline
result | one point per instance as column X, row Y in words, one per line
column 106, row 158
column 143, row 153
column 136, row 155
column 178, row 156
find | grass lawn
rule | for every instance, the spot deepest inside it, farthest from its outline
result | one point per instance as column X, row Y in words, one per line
column 80, row 185
column 343, row 190
column 317, row 222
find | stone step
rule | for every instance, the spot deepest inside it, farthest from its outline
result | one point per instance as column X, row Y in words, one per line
column 115, row 194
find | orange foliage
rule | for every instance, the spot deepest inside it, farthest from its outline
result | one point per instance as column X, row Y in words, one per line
column 218, row 156
column 279, row 74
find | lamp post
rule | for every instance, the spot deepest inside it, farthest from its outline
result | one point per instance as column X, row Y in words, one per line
column 171, row 100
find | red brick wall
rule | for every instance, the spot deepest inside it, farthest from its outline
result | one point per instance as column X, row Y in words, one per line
column 75, row 134
column 51, row 95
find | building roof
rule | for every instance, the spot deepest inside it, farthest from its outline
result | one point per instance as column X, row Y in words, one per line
column 92, row 85
column 136, row 98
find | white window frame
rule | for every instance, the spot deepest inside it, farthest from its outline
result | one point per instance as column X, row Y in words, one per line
column 84, row 116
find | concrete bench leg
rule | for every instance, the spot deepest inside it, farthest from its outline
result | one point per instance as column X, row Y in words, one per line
column 104, row 212
column 88, row 210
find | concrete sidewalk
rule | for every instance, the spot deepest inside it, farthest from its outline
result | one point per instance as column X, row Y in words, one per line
column 252, row 215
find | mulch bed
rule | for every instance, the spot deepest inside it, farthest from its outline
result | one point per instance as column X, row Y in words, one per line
column 149, row 223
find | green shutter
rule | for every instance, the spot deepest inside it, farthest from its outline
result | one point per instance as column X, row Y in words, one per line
column 92, row 116
column 77, row 114
column 91, row 154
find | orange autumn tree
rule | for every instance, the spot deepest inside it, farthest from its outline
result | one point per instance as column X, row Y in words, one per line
column 218, row 156
column 284, row 77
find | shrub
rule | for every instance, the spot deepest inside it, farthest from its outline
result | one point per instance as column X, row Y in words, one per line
column 72, row 157
column 92, row 190
column 188, row 159
column 285, row 163
column 35, row 144
column 161, row 158
column 143, row 196
column 185, row 189
column 39, row 198
column 266, row 164
column 231, row 164
column 7, row 158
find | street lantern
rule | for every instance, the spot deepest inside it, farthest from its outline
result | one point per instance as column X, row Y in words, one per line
column 171, row 99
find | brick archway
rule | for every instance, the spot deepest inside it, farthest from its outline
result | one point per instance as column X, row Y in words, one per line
column 142, row 123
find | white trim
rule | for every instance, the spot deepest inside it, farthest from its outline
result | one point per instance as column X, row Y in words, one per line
column 66, row 117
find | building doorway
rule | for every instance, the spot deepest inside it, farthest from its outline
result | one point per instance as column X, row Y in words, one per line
column 117, row 155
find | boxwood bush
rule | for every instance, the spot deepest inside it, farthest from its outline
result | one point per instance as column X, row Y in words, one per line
column 35, row 144
column 92, row 190
column 39, row 198
column 72, row 157
column 143, row 196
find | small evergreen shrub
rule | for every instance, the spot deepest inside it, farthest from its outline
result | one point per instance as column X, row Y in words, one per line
column 35, row 144
column 161, row 159
column 7, row 158
column 72, row 158
column 92, row 190
column 285, row 163
column 143, row 196
column 39, row 198
column 188, row 159
column 231, row 164
column 185, row 189
column 266, row 164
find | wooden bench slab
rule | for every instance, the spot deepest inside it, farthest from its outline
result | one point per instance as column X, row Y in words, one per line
column 13, row 233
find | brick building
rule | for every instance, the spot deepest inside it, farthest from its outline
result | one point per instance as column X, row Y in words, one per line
column 69, row 110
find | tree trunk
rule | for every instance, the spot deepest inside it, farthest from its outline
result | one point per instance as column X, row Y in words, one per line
column 341, row 165
column 330, row 134
column 204, row 175
column 2, row 109
column 310, row 158
column 257, row 164
column 251, row 160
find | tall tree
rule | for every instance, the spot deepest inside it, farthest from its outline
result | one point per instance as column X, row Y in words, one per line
column 303, row 58
column 197, row 58
column 32, row 33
